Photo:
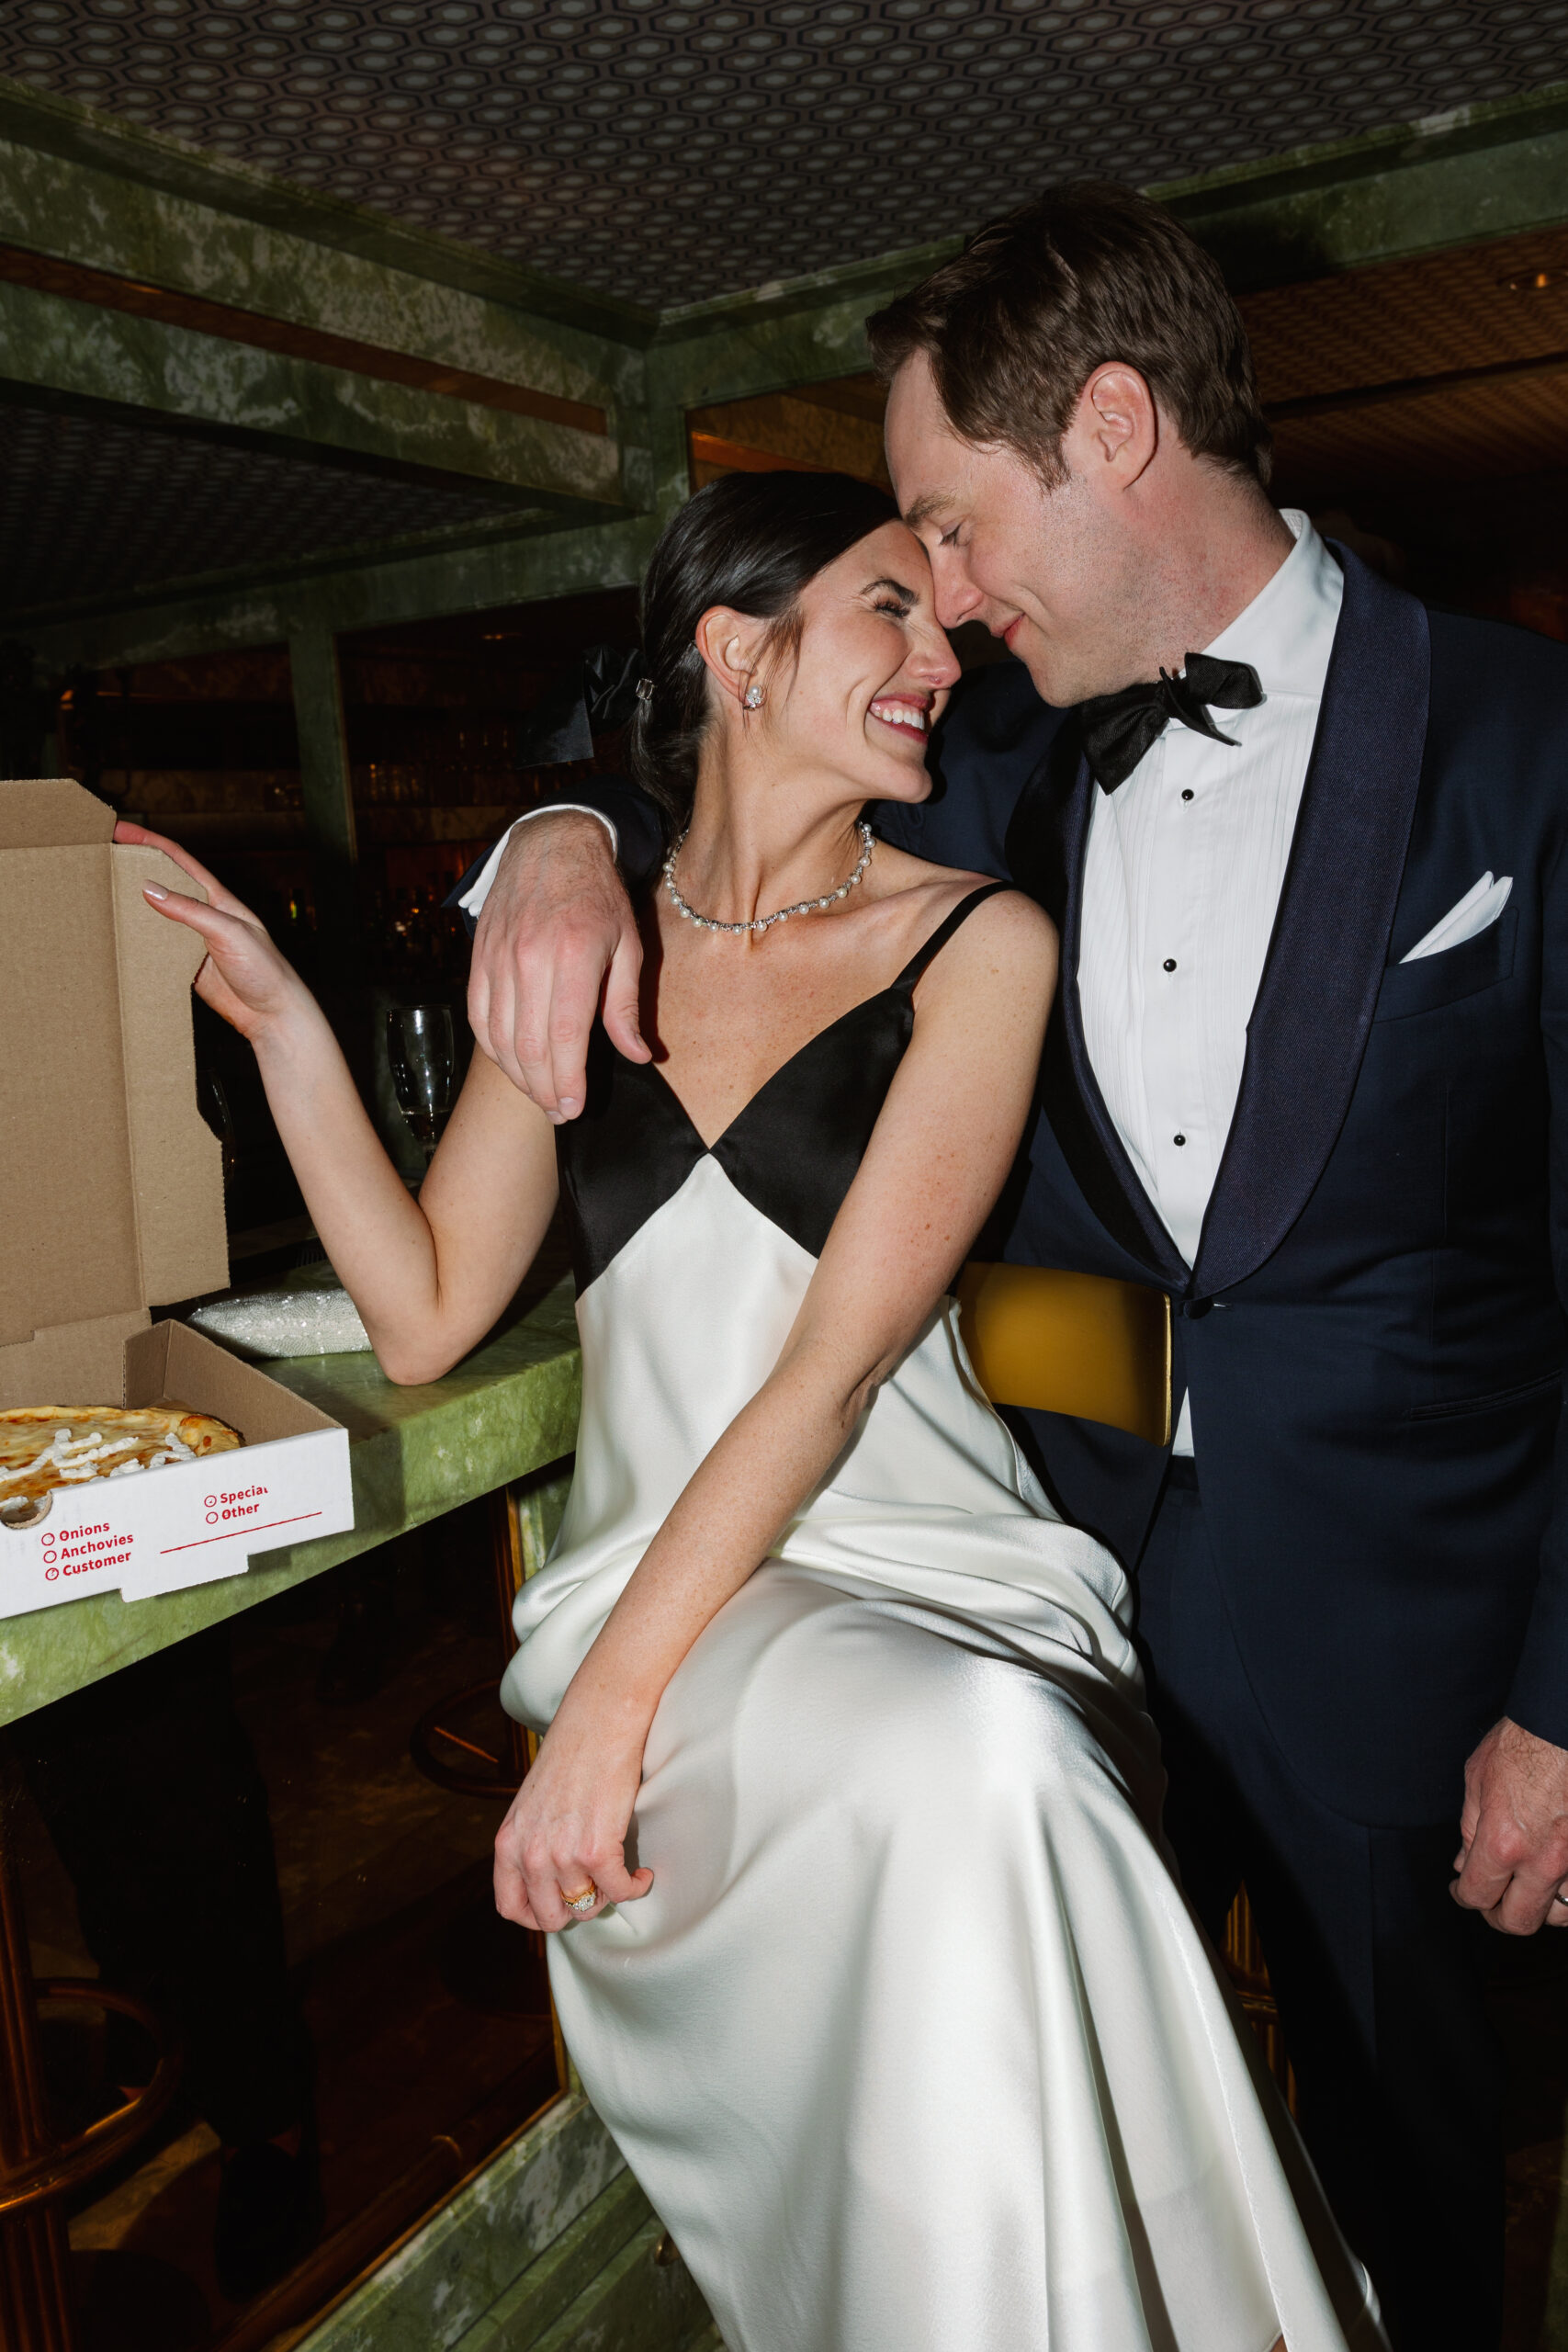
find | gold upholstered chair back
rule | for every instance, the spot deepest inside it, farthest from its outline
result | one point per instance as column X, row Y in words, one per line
column 1100, row 1351
column 1079, row 1344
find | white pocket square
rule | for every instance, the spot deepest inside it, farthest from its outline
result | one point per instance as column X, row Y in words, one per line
column 1476, row 911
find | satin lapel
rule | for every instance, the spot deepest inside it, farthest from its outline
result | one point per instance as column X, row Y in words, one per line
column 1309, row 1026
column 1046, row 841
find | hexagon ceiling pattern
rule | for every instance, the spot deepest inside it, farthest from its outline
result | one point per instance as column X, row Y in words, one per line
column 91, row 506
column 665, row 154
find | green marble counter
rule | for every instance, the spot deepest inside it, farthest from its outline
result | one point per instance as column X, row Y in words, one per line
column 506, row 1410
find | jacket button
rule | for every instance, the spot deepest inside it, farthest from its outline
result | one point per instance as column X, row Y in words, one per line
column 1194, row 1309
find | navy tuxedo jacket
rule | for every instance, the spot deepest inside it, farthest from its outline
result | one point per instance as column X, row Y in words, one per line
column 1373, row 1332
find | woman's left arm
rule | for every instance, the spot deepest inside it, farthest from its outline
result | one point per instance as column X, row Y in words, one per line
column 938, row 1157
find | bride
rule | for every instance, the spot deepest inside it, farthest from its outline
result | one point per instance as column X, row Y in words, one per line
column 873, row 1962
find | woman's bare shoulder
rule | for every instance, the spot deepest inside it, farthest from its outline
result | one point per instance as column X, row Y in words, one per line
column 1008, row 926
column 1008, row 943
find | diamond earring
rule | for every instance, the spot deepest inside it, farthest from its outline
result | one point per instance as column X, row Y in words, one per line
column 752, row 698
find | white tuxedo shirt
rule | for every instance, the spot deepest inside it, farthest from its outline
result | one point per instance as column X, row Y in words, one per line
column 1182, row 875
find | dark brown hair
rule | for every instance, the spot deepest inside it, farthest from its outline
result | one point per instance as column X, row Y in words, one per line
column 752, row 541
column 1015, row 325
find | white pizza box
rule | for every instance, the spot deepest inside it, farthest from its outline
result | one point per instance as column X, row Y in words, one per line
column 111, row 1202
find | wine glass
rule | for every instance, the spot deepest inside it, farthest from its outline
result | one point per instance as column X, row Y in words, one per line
column 422, row 1052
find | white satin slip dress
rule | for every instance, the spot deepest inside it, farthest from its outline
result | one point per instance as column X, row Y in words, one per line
column 913, row 2044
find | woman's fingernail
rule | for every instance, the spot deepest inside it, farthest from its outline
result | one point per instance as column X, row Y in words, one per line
column 154, row 890
column 569, row 1104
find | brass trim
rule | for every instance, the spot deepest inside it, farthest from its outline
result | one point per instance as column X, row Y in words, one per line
column 68, row 2162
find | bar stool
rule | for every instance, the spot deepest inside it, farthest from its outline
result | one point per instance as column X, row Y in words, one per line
column 38, row 2170
column 1100, row 1351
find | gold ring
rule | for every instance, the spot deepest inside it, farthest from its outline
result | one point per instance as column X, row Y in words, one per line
column 583, row 1900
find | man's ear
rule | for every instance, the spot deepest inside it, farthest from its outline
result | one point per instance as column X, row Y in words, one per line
column 1114, row 434
column 730, row 645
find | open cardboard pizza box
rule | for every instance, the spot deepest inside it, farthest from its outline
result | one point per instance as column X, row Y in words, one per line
column 111, row 1202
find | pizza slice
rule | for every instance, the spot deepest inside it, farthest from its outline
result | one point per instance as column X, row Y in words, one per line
column 46, row 1446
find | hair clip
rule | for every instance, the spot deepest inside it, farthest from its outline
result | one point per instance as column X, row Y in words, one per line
column 645, row 690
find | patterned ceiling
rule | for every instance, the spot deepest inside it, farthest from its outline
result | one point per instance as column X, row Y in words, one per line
column 91, row 506
column 666, row 154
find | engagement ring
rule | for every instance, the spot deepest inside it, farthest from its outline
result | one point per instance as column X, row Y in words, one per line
column 583, row 1900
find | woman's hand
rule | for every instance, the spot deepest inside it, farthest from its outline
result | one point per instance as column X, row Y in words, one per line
column 243, row 979
column 567, row 1825
column 429, row 1276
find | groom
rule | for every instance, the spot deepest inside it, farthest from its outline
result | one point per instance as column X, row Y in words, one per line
column 1307, row 1075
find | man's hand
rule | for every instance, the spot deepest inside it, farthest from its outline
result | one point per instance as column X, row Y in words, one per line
column 1514, row 1854
column 556, row 923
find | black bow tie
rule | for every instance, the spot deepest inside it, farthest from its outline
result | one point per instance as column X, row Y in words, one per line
column 1119, row 728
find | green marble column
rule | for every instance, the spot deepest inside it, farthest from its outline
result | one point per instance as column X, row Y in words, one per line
column 329, row 793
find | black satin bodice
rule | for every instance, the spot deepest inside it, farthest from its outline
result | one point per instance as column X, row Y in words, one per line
column 792, row 1151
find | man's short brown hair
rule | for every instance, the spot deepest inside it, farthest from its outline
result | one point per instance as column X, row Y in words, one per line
column 1016, row 324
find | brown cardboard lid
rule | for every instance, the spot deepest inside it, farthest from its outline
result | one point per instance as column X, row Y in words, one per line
column 111, row 1190
column 52, row 812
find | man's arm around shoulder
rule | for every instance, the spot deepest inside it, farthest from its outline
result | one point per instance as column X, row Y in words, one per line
column 555, row 933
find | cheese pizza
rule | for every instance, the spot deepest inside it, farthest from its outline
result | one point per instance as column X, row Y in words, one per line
column 45, row 1446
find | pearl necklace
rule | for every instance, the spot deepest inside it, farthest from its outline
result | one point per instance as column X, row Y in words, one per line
column 764, row 922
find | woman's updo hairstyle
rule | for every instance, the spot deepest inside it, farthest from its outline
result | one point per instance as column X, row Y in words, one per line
column 752, row 541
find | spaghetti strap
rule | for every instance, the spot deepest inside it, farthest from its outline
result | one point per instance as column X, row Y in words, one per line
column 923, row 955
